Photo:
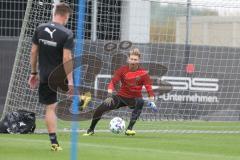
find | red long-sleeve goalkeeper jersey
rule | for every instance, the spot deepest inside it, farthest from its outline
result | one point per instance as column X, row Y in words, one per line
column 131, row 82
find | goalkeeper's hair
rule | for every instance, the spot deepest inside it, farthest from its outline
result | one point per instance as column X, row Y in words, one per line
column 62, row 9
column 135, row 52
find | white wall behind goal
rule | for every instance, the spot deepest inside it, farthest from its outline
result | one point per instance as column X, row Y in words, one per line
column 135, row 21
column 210, row 30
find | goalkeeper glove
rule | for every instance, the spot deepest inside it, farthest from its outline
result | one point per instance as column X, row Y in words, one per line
column 151, row 104
column 109, row 100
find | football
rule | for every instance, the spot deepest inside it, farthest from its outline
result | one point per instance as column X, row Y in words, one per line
column 117, row 125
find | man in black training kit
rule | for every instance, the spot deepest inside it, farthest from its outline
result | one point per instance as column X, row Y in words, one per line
column 52, row 45
column 132, row 78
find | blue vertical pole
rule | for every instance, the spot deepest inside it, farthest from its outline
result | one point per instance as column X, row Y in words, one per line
column 77, row 75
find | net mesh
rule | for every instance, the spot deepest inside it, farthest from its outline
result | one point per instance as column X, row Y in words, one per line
column 190, row 47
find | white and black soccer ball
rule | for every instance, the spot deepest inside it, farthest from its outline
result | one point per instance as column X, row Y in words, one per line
column 117, row 125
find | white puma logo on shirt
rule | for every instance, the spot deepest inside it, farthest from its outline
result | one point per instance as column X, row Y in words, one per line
column 22, row 124
column 49, row 31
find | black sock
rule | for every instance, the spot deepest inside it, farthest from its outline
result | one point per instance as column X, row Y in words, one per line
column 53, row 138
column 136, row 113
column 80, row 104
column 93, row 124
column 98, row 114
column 131, row 124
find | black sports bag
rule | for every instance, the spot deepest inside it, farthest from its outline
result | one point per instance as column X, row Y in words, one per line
column 20, row 122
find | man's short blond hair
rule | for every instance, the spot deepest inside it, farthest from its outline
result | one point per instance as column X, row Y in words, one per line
column 62, row 9
column 135, row 52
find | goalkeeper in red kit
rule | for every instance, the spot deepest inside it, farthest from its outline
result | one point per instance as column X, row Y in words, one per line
column 132, row 78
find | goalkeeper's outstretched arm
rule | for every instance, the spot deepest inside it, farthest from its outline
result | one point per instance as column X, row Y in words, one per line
column 151, row 99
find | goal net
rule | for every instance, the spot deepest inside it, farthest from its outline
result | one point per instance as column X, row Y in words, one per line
column 190, row 48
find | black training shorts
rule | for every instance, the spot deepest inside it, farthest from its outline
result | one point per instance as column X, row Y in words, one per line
column 46, row 95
